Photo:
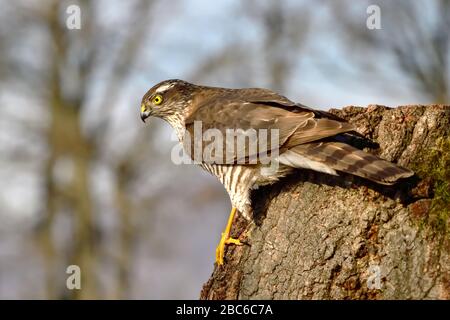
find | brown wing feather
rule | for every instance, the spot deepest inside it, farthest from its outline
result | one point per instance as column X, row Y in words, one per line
column 240, row 117
column 268, row 97
column 316, row 129
column 232, row 110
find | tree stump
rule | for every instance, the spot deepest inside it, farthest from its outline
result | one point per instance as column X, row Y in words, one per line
column 316, row 236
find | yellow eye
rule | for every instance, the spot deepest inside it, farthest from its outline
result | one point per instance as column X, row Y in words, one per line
column 157, row 99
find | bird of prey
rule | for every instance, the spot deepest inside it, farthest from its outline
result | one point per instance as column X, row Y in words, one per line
column 306, row 138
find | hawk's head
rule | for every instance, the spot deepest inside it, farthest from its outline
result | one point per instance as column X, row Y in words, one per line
column 166, row 99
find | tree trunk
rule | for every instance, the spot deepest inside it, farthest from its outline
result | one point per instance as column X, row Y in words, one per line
column 317, row 236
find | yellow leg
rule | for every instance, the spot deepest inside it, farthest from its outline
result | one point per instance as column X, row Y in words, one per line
column 226, row 239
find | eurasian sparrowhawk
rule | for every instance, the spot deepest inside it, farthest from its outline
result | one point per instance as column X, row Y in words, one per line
column 306, row 138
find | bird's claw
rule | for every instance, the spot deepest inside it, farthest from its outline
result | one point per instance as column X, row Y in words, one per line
column 220, row 250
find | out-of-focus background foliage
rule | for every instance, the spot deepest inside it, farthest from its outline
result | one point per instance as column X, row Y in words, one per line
column 83, row 181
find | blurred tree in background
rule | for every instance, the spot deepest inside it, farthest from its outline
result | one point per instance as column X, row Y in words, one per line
column 411, row 50
column 59, row 72
column 84, row 182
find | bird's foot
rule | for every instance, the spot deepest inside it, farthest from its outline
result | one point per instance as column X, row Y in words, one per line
column 220, row 250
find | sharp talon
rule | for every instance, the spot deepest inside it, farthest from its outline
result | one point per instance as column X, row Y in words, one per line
column 220, row 250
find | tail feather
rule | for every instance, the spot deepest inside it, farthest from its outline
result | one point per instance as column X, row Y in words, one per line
column 343, row 157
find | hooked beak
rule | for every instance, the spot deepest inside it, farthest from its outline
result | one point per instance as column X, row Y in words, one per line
column 144, row 113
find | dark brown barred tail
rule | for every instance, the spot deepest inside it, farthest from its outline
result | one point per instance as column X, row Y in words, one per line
column 343, row 157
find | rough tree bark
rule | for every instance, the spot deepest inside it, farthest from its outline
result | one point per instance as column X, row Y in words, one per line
column 317, row 236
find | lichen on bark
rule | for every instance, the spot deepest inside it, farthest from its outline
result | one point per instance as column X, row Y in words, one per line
column 316, row 236
column 437, row 169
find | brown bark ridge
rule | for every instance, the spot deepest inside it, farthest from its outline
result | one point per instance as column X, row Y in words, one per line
column 316, row 236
